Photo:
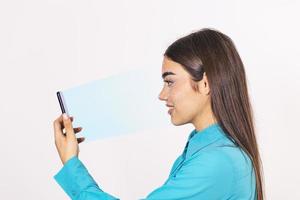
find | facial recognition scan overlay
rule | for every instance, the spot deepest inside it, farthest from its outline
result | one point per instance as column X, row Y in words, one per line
column 121, row 104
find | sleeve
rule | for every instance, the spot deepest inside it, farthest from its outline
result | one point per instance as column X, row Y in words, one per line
column 76, row 181
column 208, row 175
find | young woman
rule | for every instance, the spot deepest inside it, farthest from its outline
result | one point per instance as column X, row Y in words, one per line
column 205, row 84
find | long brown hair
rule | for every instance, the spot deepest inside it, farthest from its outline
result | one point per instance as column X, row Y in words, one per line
column 214, row 53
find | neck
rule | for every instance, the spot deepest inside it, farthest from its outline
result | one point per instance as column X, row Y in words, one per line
column 204, row 119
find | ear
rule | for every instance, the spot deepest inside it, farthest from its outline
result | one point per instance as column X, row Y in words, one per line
column 203, row 85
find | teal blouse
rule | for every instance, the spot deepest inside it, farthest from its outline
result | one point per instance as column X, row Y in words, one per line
column 210, row 167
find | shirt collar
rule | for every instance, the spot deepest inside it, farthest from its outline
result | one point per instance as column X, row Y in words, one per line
column 199, row 139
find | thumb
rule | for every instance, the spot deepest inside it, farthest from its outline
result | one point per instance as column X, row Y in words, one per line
column 68, row 126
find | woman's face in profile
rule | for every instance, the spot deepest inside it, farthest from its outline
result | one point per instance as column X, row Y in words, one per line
column 185, row 104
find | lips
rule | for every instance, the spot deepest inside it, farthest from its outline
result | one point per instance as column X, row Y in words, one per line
column 170, row 111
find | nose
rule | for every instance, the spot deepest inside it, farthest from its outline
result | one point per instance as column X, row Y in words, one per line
column 162, row 96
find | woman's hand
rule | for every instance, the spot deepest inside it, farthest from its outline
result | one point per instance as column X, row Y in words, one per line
column 66, row 144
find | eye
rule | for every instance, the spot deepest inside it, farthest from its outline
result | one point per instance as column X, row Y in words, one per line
column 168, row 82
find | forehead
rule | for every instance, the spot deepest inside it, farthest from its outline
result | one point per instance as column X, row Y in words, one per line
column 170, row 66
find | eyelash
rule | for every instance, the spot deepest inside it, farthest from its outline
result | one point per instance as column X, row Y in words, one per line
column 166, row 81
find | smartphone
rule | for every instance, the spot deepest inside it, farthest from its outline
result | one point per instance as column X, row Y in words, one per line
column 62, row 105
column 61, row 102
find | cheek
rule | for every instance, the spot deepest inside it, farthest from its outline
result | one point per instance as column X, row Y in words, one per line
column 183, row 98
column 187, row 106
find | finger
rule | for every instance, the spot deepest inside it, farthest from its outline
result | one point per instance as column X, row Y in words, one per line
column 68, row 126
column 79, row 140
column 59, row 127
column 77, row 129
column 57, row 124
column 60, row 119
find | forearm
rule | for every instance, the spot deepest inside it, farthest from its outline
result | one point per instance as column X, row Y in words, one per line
column 76, row 181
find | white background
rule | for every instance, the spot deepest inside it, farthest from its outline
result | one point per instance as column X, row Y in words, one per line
column 48, row 45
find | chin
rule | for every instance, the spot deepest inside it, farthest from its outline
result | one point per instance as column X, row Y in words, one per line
column 178, row 122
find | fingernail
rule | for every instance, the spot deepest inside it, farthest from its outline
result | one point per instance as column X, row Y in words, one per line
column 65, row 116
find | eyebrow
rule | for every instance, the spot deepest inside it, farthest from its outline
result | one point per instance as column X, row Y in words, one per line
column 166, row 74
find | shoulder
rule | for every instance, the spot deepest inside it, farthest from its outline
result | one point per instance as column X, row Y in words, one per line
column 223, row 159
column 214, row 162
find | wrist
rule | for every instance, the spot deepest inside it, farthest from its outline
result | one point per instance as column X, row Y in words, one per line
column 66, row 160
